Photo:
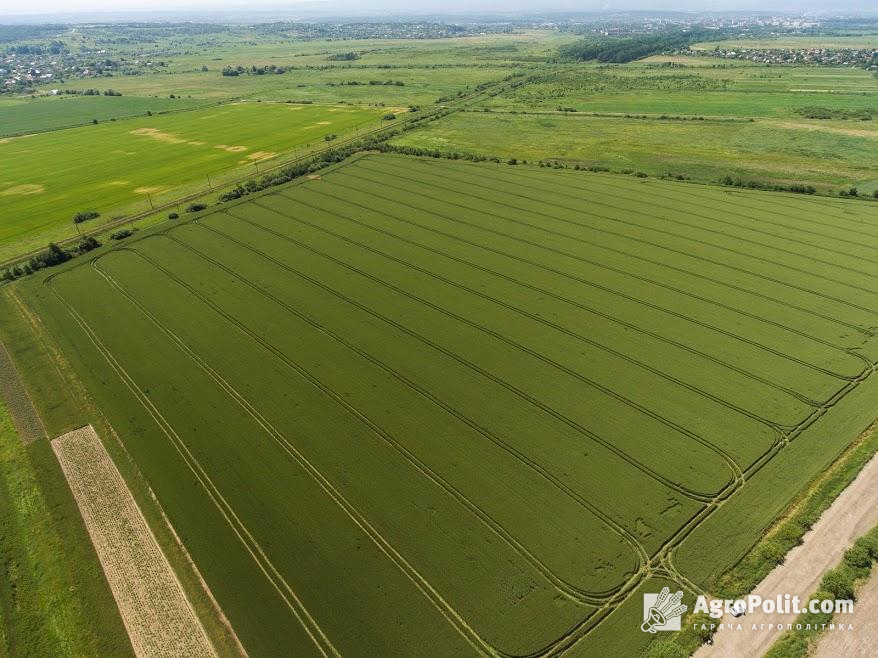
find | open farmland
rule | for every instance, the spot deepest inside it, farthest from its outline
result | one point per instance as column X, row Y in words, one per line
column 22, row 116
column 135, row 162
column 475, row 407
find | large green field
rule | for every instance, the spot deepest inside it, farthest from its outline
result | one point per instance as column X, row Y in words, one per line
column 123, row 166
column 474, row 408
column 19, row 116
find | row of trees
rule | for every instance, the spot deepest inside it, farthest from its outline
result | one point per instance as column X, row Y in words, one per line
column 52, row 256
column 628, row 49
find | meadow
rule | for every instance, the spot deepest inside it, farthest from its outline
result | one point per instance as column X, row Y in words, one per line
column 830, row 155
column 134, row 163
column 474, row 406
column 693, row 117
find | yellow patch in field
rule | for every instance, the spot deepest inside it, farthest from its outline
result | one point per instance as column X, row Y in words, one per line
column 23, row 190
column 148, row 190
column 231, row 149
column 117, row 183
column 295, row 107
column 159, row 136
column 324, row 123
column 261, row 155
column 196, row 143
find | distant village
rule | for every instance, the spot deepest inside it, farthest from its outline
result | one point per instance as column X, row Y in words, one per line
column 859, row 57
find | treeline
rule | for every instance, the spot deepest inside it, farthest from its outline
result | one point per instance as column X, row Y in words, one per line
column 52, row 256
column 620, row 51
column 343, row 57
column 798, row 188
column 89, row 92
column 371, row 83
column 268, row 69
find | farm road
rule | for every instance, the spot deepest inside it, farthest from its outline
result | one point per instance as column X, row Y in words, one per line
column 853, row 513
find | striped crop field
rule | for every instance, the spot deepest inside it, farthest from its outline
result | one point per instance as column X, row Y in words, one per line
column 475, row 408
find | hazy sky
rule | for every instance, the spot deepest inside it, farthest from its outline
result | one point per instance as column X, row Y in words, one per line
column 359, row 7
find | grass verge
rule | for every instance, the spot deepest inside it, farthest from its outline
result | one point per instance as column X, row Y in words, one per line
column 839, row 583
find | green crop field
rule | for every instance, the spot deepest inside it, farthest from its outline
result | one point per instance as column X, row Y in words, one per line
column 131, row 163
column 23, row 116
column 474, row 408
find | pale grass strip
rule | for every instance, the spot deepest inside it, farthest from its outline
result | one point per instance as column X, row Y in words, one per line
column 18, row 402
column 157, row 615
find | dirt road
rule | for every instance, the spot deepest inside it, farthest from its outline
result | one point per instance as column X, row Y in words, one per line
column 853, row 513
column 863, row 640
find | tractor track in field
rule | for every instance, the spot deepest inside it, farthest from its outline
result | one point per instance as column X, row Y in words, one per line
column 548, row 293
column 562, row 586
column 511, row 388
column 487, row 434
column 555, row 364
column 715, row 220
column 542, row 320
column 605, row 288
column 646, row 280
column 562, row 368
column 648, row 243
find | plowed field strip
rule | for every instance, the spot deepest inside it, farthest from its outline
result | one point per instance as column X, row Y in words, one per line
column 158, row 617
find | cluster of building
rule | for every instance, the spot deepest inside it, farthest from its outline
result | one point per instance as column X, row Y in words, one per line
column 859, row 57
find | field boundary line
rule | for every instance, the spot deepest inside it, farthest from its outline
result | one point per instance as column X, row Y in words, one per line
column 646, row 280
column 219, row 501
column 563, row 587
column 561, row 298
column 383, row 544
column 509, row 387
column 28, row 424
column 666, row 248
column 158, row 616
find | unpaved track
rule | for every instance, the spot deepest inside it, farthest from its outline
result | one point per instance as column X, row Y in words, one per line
column 862, row 642
column 853, row 513
column 157, row 615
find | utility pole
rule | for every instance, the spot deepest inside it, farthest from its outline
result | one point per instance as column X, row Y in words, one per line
column 209, row 184
column 150, row 201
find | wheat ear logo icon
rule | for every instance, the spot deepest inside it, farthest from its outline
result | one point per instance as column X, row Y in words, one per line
column 663, row 610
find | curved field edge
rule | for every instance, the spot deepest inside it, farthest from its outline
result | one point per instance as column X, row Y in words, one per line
column 63, row 404
column 726, row 536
